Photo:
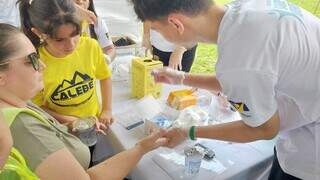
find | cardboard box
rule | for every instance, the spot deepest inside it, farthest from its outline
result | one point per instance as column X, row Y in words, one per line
column 181, row 99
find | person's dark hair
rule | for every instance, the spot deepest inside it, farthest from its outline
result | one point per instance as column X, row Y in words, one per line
column 158, row 9
column 91, row 8
column 47, row 16
column 7, row 43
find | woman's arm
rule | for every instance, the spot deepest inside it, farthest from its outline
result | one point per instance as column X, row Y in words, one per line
column 67, row 167
column 61, row 165
column 115, row 168
column 63, row 119
column 5, row 141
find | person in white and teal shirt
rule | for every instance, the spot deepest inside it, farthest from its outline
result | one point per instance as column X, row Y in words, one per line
column 268, row 67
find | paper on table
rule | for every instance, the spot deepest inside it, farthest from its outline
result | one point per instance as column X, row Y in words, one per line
column 134, row 116
column 129, row 119
column 148, row 107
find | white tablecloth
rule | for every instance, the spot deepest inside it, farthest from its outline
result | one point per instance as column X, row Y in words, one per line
column 242, row 161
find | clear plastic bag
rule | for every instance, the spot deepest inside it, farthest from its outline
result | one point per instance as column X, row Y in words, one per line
column 192, row 116
column 210, row 109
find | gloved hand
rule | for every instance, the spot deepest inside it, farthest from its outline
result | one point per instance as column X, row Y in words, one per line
column 168, row 75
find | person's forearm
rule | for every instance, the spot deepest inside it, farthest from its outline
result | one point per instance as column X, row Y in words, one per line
column 238, row 131
column 5, row 142
column 234, row 131
column 4, row 152
column 179, row 50
column 106, row 94
column 111, row 52
column 118, row 166
column 59, row 117
column 208, row 82
column 146, row 29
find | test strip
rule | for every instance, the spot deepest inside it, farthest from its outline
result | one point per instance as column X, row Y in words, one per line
column 134, row 125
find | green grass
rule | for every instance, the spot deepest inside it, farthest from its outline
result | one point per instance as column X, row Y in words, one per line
column 206, row 57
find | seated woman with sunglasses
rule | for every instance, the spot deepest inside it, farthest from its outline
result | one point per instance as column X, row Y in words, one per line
column 50, row 151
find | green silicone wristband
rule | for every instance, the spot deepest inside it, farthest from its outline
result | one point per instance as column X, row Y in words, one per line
column 192, row 134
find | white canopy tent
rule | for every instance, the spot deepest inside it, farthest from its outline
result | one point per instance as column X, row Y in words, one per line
column 119, row 17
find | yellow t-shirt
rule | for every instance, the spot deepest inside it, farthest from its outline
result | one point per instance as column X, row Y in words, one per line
column 70, row 82
column 84, row 26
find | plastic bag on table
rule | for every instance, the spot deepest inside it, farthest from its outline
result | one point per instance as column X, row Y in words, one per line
column 163, row 120
column 192, row 116
column 120, row 68
column 220, row 111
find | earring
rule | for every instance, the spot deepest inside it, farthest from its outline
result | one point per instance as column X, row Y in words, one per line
column 41, row 40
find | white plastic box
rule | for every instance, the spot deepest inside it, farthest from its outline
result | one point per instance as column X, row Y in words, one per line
column 131, row 49
column 159, row 121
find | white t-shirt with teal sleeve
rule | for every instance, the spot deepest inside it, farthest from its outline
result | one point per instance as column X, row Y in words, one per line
column 268, row 62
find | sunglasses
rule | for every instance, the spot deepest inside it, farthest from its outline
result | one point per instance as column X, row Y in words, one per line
column 33, row 58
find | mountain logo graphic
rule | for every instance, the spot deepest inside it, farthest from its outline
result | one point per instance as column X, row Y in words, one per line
column 75, row 92
column 241, row 108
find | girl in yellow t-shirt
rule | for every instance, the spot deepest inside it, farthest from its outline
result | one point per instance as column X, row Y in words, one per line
column 73, row 64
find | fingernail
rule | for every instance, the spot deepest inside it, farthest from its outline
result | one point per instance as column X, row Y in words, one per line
column 153, row 72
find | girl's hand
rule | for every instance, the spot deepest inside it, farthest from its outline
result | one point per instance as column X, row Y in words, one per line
column 69, row 121
column 106, row 117
column 101, row 128
column 153, row 141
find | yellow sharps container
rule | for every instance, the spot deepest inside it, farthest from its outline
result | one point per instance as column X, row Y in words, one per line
column 142, row 82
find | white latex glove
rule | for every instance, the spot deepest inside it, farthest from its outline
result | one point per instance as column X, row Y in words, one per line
column 168, row 75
